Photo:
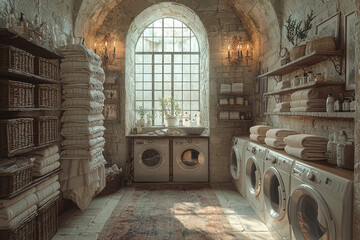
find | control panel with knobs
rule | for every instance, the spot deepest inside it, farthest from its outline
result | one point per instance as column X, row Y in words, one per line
column 311, row 176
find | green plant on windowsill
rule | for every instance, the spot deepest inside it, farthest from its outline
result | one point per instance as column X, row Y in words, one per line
column 142, row 113
column 296, row 32
column 170, row 107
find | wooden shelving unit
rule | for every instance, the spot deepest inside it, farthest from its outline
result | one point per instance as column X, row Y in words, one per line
column 345, row 115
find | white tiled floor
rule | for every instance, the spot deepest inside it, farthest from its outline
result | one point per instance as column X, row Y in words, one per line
column 76, row 225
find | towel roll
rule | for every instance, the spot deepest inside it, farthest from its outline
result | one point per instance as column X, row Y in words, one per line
column 260, row 129
column 306, row 141
column 257, row 138
column 280, row 133
column 313, row 103
column 306, row 153
column 306, row 94
column 275, row 143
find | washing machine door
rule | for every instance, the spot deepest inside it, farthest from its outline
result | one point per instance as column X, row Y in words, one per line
column 190, row 158
column 253, row 176
column 151, row 159
column 309, row 215
column 235, row 159
column 274, row 193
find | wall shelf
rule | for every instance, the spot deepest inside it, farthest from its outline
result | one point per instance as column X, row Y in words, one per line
column 306, row 61
column 22, row 109
column 348, row 115
column 26, row 77
column 30, row 149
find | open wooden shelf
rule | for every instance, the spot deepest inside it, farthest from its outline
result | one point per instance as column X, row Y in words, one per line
column 305, row 61
column 8, row 36
column 26, row 77
column 22, row 109
column 30, row 149
column 348, row 115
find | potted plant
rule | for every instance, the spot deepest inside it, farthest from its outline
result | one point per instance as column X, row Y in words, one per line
column 142, row 113
column 149, row 117
column 171, row 108
column 296, row 33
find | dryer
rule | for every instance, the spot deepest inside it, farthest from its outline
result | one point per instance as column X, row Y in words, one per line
column 276, row 188
column 237, row 163
column 151, row 160
column 190, row 160
column 320, row 206
column 254, row 168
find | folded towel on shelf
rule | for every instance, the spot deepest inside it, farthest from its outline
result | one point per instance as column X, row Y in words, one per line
column 306, row 153
column 6, row 224
column 45, row 170
column 306, row 140
column 307, row 109
column 306, row 94
column 47, row 199
column 8, row 202
column 8, row 165
column 47, row 183
column 47, row 191
column 275, row 143
column 41, row 163
column 259, row 129
column 257, row 138
column 280, row 133
column 282, row 107
column 281, row 110
column 8, row 213
column 82, row 130
column 282, row 85
column 45, row 152
column 313, row 103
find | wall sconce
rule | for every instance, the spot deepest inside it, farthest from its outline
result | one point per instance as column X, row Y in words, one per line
column 239, row 50
column 106, row 51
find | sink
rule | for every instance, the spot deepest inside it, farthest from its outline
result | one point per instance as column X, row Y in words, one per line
column 192, row 130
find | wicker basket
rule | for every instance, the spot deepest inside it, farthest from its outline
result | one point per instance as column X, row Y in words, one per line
column 113, row 183
column 12, row 182
column 46, row 129
column 324, row 44
column 48, row 68
column 26, row 230
column 297, row 52
column 48, row 95
column 16, row 94
column 47, row 219
column 15, row 135
column 15, row 59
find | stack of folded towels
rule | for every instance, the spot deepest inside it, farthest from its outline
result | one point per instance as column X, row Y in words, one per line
column 282, row 85
column 258, row 133
column 307, row 101
column 282, row 107
column 46, row 161
column 306, row 147
column 237, row 88
column 225, row 89
column 47, row 190
column 275, row 137
column 82, row 160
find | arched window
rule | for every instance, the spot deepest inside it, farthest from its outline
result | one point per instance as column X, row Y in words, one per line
column 167, row 63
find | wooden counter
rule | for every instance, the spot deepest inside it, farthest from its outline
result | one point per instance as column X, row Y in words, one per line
column 165, row 136
column 322, row 165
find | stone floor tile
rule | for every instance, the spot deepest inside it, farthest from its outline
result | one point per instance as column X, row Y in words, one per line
column 94, row 228
column 72, row 230
column 90, row 236
column 252, row 223
column 260, row 236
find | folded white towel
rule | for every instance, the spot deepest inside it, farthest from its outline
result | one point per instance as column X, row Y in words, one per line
column 307, row 109
column 12, row 211
column 45, row 170
column 280, row 133
column 48, row 198
column 306, row 153
column 257, row 138
column 47, row 191
column 82, row 130
column 306, row 140
column 5, row 224
column 86, row 142
column 281, row 110
column 225, row 86
column 8, row 202
column 313, row 103
column 8, row 165
column 259, row 129
column 46, row 152
column 82, row 118
column 275, row 143
column 47, row 183
column 41, row 163
column 306, row 94
column 83, row 105
column 81, row 152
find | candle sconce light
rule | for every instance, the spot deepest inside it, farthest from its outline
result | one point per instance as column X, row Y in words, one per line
column 238, row 51
column 106, row 51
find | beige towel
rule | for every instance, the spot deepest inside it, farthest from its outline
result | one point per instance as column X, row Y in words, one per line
column 280, row 133
column 5, row 224
column 306, row 140
column 12, row 211
column 48, row 198
column 257, row 138
column 259, row 129
column 313, row 103
column 8, row 202
column 46, row 152
column 45, row 170
column 38, row 164
column 281, row 110
column 47, row 183
column 275, row 143
column 283, row 105
column 306, row 94
column 45, row 192
column 306, row 153
column 307, row 109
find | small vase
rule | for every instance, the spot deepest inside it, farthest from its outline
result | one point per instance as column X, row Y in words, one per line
column 149, row 123
column 142, row 122
column 171, row 121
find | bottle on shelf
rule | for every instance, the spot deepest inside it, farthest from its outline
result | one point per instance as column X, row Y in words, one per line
column 346, row 105
column 341, row 100
column 12, row 21
column 330, row 103
column 319, row 78
column 352, row 105
column 21, row 24
column 310, row 76
column 331, row 150
column 345, row 152
column 336, row 105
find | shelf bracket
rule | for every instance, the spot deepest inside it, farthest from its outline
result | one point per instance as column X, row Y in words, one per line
column 277, row 78
column 336, row 60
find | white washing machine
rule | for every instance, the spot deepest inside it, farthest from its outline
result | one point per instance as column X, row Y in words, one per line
column 276, row 188
column 151, row 160
column 320, row 206
column 254, row 169
column 190, row 160
column 237, row 163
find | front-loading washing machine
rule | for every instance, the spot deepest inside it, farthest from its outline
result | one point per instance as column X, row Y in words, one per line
column 254, row 168
column 190, row 160
column 276, row 188
column 320, row 206
column 151, row 160
column 237, row 163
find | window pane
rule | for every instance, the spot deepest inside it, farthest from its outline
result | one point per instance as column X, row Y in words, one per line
column 167, row 94
column 148, row 32
column 195, row 95
column 139, row 78
column 167, row 68
column 194, row 58
column 148, row 105
column 168, row 44
column 178, row 95
column 168, row 32
column 194, row 45
column 138, row 104
column 186, row 86
column 148, row 95
column 158, row 68
column 177, row 58
column 147, row 69
column 139, row 86
column 186, row 77
column 177, row 23
column 195, row 69
column 139, row 45
column 157, row 95
column 158, row 23
column 158, row 58
column 186, row 105
column 139, row 58
column 178, row 32
column 148, row 86
column 168, row 22
column 148, row 44
column 194, row 77
column 186, row 68
column 157, row 32
column 139, row 69
column 167, row 58
column 186, row 95
column 158, row 86
column 139, row 95
column 177, row 68
column 177, row 85
column 177, row 44
column 186, row 32
column 178, row 77
column 167, row 77
column 194, row 106
column 186, row 45
column 158, row 77
column 186, row 58
column 167, row 85
column 147, row 77
column 147, row 58
column 194, row 86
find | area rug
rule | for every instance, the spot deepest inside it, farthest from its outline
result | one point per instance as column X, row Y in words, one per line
column 168, row 211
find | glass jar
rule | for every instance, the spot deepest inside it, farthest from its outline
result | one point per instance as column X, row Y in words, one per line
column 346, row 105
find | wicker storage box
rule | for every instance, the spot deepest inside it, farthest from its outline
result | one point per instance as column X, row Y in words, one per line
column 16, row 94
column 113, row 183
column 15, row 135
column 48, row 68
column 324, row 44
column 26, row 230
column 48, row 95
column 47, row 219
column 46, row 129
column 12, row 182
column 297, row 52
column 15, row 59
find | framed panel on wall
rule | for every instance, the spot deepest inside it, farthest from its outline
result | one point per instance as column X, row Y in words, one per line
column 111, row 93
column 330, row 27
column 111, row 113
column 350, row 42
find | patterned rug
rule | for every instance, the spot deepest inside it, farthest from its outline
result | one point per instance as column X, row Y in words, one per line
column 168, row 211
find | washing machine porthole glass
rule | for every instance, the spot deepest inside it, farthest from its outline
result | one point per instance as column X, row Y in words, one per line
column 253, row 176
column 151, row 158
column 234, row 163
column 274, row 193
column 190, row 157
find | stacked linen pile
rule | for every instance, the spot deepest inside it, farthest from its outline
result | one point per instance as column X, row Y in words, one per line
column 306, row 147
column 275, row 137
column 47, row 190
column 307, row 101
column 258, row 133
column 46, row 161
column 282, row 107
column 225, row 89
column 237, row 88
column 82, row 125
column 282, row 85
